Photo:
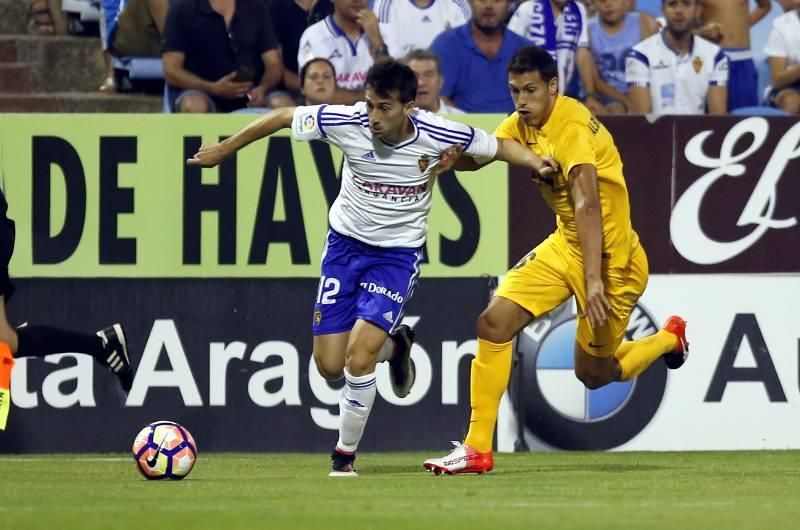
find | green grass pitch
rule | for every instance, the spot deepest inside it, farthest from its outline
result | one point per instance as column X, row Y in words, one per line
column 686, row 491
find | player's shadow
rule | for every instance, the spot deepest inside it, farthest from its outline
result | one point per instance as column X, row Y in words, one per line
column 528, row 470
column 593, row 468
column 397, row 470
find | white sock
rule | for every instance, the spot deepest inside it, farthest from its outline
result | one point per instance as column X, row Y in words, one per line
column 355, row 405
column 387, row 350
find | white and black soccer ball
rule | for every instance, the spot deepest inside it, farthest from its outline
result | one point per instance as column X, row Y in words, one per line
column 164, row 450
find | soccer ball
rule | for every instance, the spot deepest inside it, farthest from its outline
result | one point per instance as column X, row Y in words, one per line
column 164, row 449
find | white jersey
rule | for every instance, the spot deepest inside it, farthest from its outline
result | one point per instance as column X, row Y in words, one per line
column 678, row 84
column 397, row 16
column 350, row 59
column 784, row 38
column 386, row 190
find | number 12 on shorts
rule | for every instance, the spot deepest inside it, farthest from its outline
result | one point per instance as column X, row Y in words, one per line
column 328, row 289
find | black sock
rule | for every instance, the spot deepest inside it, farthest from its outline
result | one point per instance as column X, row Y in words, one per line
column 38, row 341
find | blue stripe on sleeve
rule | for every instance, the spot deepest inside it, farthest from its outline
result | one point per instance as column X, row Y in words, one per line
column 639, row 56
column 385, row 11
column 471, row 137
column 465, row 135
column 442, row 137
column 319, row 122
column 463, row 7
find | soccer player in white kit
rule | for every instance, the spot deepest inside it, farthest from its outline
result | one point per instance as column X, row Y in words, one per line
column 378, row 225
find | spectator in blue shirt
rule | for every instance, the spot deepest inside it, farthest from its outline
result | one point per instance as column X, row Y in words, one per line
column 475, row 59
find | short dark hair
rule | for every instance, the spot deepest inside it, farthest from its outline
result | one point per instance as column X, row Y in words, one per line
column 387, row 75
column 533, row 59
column 304, row 69
column 423, row 55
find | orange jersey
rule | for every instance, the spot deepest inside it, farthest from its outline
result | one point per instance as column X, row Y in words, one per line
column 573, row 136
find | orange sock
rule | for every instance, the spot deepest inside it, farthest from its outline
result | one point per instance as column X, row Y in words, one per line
column 488, row 380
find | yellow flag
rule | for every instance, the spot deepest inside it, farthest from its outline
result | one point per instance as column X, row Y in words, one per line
column 6, row 364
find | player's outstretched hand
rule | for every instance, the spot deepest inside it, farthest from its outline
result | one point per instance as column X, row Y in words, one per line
column 596, row 304
column 448, row 158
column 208, row 156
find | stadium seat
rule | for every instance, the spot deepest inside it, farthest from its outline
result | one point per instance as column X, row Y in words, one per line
column 252, row 110
column 758, row 111
column 141, row 67
column 84, row 10
column 139, row 74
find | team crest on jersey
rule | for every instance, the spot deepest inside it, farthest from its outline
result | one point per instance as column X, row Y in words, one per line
column 698, row 64
column 423, row 162
column 317, row 317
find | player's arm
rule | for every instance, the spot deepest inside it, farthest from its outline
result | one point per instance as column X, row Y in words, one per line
column 717, row 94
column 603, row 88
column 607, row 90
column 508, row 150
column 587, row 71
column 273, row 121
column 717, row 99
column 637, row 76
column 780, row 75
column 588, row 221
column 639, row 98
column 517, row 154
column 761, row 10
column 648, row 25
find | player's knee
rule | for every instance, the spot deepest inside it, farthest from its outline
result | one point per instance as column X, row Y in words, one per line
column 8, row 336
column 193, row 103
column 493, row 329
column 360, row 361
column 788, row 100
column 330, row 369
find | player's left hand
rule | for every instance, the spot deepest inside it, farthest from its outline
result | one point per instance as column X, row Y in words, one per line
column 208, row 156
column 596, row 304
column 448, row 158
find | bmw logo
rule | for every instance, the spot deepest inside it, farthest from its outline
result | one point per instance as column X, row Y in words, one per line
column 557, row 409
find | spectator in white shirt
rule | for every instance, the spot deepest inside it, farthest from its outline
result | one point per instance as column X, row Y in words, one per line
column 675, row 71
column 351, row 40
column 428, row 18
column 783, row 50
column 425, row 65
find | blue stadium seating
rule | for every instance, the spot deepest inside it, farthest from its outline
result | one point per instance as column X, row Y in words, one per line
column 758, row 111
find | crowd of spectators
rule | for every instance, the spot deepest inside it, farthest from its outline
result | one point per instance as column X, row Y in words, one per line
column 233, row 55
